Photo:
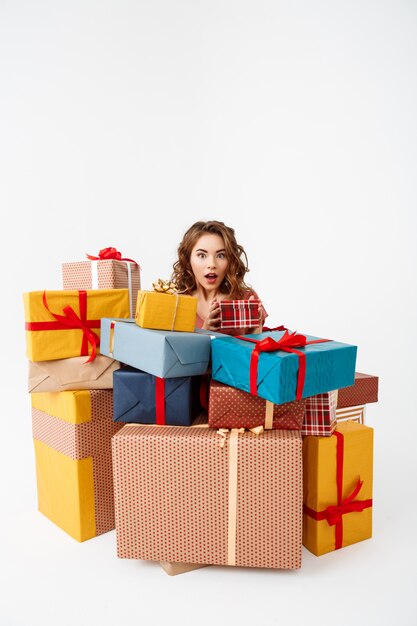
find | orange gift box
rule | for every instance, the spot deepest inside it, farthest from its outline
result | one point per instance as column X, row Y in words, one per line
column 337, row 488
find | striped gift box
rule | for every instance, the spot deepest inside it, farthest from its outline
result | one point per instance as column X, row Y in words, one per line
column 239, row 313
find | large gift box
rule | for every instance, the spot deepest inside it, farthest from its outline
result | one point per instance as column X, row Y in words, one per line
column 159, row 352
column 281, row 366
column 233, row 408
column 73, row 373
column 72, row 433
column 338, row 488
column 142, row 398
column 166, row 311
column 197, row 495
column 320, row 414
column 239, row 313
column 104, row 273
column 363, row 391
column 62, row 324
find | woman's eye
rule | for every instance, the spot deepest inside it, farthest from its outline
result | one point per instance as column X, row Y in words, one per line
column 221, row 255
column 201, row 255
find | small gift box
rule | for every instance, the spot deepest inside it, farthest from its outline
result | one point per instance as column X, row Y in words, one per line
column 159, row 352
column 320, row 414
column 73, row 373
column 338, row 488
column 63, row 324
column 363, row 391
column 281, row 366
column 142, row 398
column 166, row 311
column 232, row 408
column 108, row 270
column 72, row 433
column 239, row 313
column 197, row 495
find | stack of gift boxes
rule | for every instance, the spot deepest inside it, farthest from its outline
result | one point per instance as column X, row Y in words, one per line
column 200, row 448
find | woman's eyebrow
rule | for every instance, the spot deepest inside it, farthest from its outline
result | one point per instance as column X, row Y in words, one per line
column 217, row 251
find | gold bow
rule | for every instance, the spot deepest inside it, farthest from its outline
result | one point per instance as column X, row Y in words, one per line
column 164, row 286
column 258, row 430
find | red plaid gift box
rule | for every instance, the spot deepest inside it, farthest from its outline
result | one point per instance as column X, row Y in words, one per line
column 239, row 313
column 320, row 414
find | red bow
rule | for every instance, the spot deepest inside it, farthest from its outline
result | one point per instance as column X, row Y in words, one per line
column 287, row 343
column 110, row 253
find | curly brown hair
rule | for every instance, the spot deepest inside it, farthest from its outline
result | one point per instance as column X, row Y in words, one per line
column 233, row 283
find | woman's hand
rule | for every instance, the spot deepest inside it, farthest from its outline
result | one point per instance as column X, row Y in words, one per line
column 212, row 321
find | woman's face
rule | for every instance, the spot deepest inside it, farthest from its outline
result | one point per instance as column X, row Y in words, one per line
column 208, row 261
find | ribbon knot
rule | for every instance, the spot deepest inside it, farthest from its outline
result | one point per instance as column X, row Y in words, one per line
column 165, row 286
column 109, row 253
column 71, row 320
column 289, row 342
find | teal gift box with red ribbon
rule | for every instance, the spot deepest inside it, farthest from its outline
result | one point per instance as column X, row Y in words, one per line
column 282, row 366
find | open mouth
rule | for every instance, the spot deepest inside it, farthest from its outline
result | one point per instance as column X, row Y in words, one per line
column 211, row 277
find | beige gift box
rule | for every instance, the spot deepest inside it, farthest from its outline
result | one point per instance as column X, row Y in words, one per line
column 72, row 373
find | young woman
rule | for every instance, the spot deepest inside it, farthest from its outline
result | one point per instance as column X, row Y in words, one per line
column 210, row 268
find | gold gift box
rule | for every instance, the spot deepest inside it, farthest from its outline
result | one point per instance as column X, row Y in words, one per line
column 337, row 518
column 165, row 311
column 62, row 328
column 72, row 433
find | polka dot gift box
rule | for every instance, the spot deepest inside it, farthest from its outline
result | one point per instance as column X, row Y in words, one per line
column 196, row 495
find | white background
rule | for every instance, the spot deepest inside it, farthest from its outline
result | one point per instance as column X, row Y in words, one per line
column 124, row 122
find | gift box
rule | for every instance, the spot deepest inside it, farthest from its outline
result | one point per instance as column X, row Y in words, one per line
column 104, row 274
column 239, row 313
column 363, row 391
column 73, row 373
column 63, row 324
column 320, row 414
column 194, row 495
column 159, row 352
column 280, row 366
column 72, row 433
column 338, row 488
column 139, row 397
column 355, row 414
column 232, row 408
column 166, row 311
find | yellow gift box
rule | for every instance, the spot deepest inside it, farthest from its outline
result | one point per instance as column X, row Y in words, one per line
column 337, row 488
column 165, row 311
column 72, row 433
column 62, row 324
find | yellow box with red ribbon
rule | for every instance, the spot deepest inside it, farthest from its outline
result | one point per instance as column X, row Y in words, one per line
column 166, row 311
column 337, row 491
column 62, row 324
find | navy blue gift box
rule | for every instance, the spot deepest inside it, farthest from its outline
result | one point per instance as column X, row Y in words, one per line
column 141, row 398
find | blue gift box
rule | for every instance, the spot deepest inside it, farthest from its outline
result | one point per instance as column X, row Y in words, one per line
column 159, row 352
column 329, row 365
column 134, row 398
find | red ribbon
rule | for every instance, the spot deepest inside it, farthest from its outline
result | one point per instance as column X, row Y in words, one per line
column 203, row 390
column 287, row 343
column 71, row 321
column 333, row 514
column 110, row 253
column 160, row 400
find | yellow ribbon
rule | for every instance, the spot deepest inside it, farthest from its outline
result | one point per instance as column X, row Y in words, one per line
column 269, row 415
column 164, row 286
